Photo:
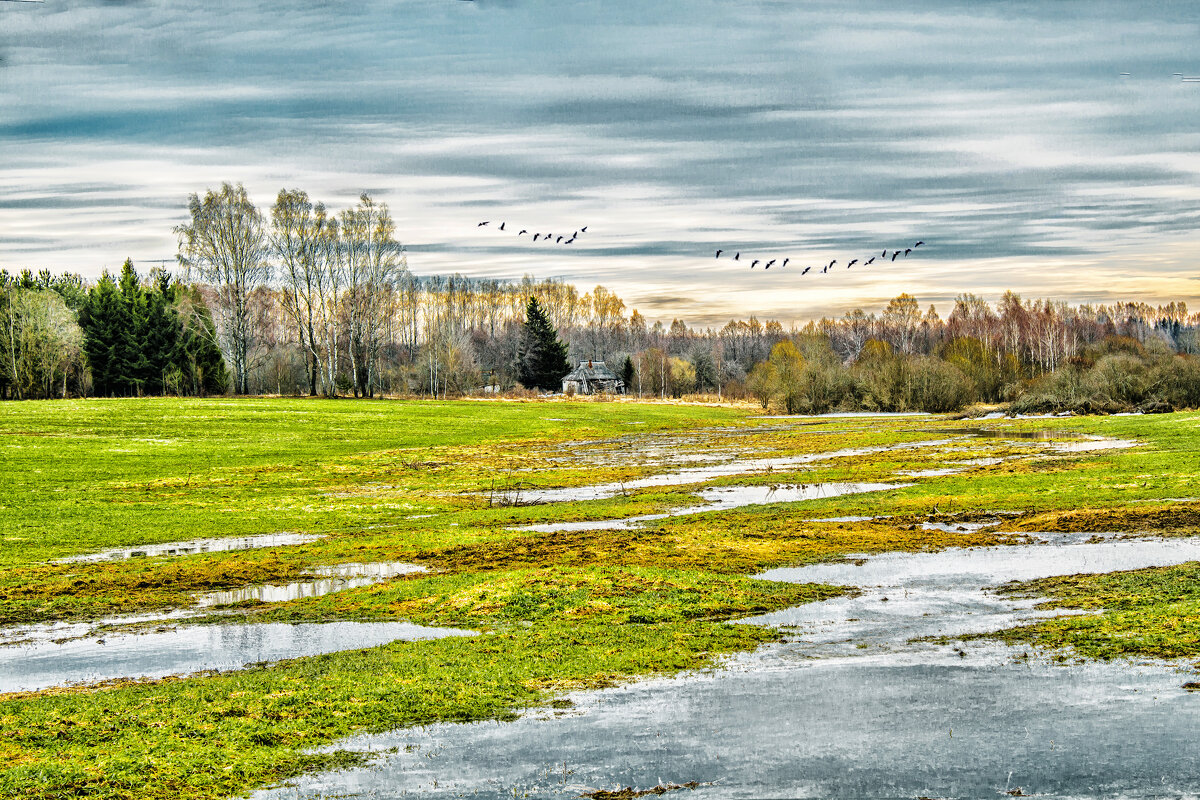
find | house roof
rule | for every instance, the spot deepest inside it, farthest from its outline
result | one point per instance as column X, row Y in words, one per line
column 591, row 371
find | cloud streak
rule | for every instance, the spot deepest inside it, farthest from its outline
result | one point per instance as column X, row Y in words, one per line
column 999, row 133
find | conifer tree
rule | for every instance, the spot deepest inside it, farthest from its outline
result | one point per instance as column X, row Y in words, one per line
column 137, row 368
column 628, row 374
column 543, row 357
column 105, row 324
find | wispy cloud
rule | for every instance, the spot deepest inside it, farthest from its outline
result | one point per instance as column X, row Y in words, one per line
column 1000, row 133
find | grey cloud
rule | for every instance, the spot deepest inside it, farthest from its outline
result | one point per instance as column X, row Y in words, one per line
column 993, row 130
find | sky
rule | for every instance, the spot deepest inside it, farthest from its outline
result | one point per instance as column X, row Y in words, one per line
column 1002, row 134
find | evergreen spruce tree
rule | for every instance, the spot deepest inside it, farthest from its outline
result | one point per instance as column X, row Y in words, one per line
column 138, row 370
column 543, row 357
column 106, row 333
column 628, row 374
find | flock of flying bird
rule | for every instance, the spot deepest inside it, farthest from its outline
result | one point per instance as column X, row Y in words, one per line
column 545, row 237
column 895, row 253
column 568, row 239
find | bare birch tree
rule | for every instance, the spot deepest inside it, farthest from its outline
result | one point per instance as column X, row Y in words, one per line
column 295, row 241
column 226, row 246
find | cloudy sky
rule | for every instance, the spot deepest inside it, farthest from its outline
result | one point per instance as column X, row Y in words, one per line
column 1003, row 134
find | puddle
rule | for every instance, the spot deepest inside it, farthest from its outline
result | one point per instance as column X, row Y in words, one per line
column 895, row 719
column 196, row 546
column 846, row 415
column 42, row 632
column 724, row 498
column 192, row 649
column 326, row 580
column 701, row 474
column 1093, row 444
column 945, row 593
column 957, row 527
column 1005, row 433
column 930, row 473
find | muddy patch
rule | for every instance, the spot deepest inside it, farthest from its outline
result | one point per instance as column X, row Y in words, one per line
column 1177, row 519
column 629, row 793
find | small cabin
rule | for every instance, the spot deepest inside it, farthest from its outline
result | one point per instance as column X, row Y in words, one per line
column 592, row 377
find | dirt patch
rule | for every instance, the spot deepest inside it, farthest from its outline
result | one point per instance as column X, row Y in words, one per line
column 562, row 548
column 628, row 793
column 1177, row 518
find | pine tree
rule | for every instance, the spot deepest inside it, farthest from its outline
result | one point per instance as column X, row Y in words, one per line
column 628, row 374
column 543, row 357
column 138, row 370
column 106, row 330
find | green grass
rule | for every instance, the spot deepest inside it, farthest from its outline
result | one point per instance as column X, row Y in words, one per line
column 418, row 481
column 1144, row 613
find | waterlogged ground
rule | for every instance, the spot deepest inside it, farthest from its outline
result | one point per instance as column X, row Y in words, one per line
column 856, row 703
column 783, row 575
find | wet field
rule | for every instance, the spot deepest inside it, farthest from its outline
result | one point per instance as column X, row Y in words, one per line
column 857, row 703
column 883, row 689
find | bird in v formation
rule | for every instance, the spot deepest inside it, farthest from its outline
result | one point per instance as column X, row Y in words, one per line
column 546, row 237
column 825, row 269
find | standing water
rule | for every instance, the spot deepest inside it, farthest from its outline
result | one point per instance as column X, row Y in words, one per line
column 851, row 706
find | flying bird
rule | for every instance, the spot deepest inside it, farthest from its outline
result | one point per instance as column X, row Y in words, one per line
column 559, row 239
column 784, row 264
column 852, row 263
column 868, row 263
column 568, row 241
column 883, row 254
column 535, row 236
column 769, row 263
column 480, row 225
column 583, row 229
column 522, row 231
column 501, row 226
column 806, row 269
column 737, row 255
column 907, row 250
column 831, row 263
column 718, row 255
column 895, row 254
column 753, row 263
column 918, row 244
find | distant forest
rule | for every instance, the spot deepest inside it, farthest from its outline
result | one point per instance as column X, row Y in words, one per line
column 307, row 302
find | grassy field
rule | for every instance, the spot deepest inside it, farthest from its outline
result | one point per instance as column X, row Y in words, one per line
column 419, row 482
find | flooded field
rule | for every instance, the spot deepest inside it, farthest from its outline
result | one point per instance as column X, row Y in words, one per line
column 857, row 703
column 653, row 597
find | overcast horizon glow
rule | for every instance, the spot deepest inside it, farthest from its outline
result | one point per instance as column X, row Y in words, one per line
column 1002, row 134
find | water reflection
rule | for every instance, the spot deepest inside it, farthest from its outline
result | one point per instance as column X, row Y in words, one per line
column 725, row 498
column 192, row 649
column 334, row 578
column 705, row 473
column 196, row 546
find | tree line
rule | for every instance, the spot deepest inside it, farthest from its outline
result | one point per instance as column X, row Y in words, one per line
column 305, row 300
